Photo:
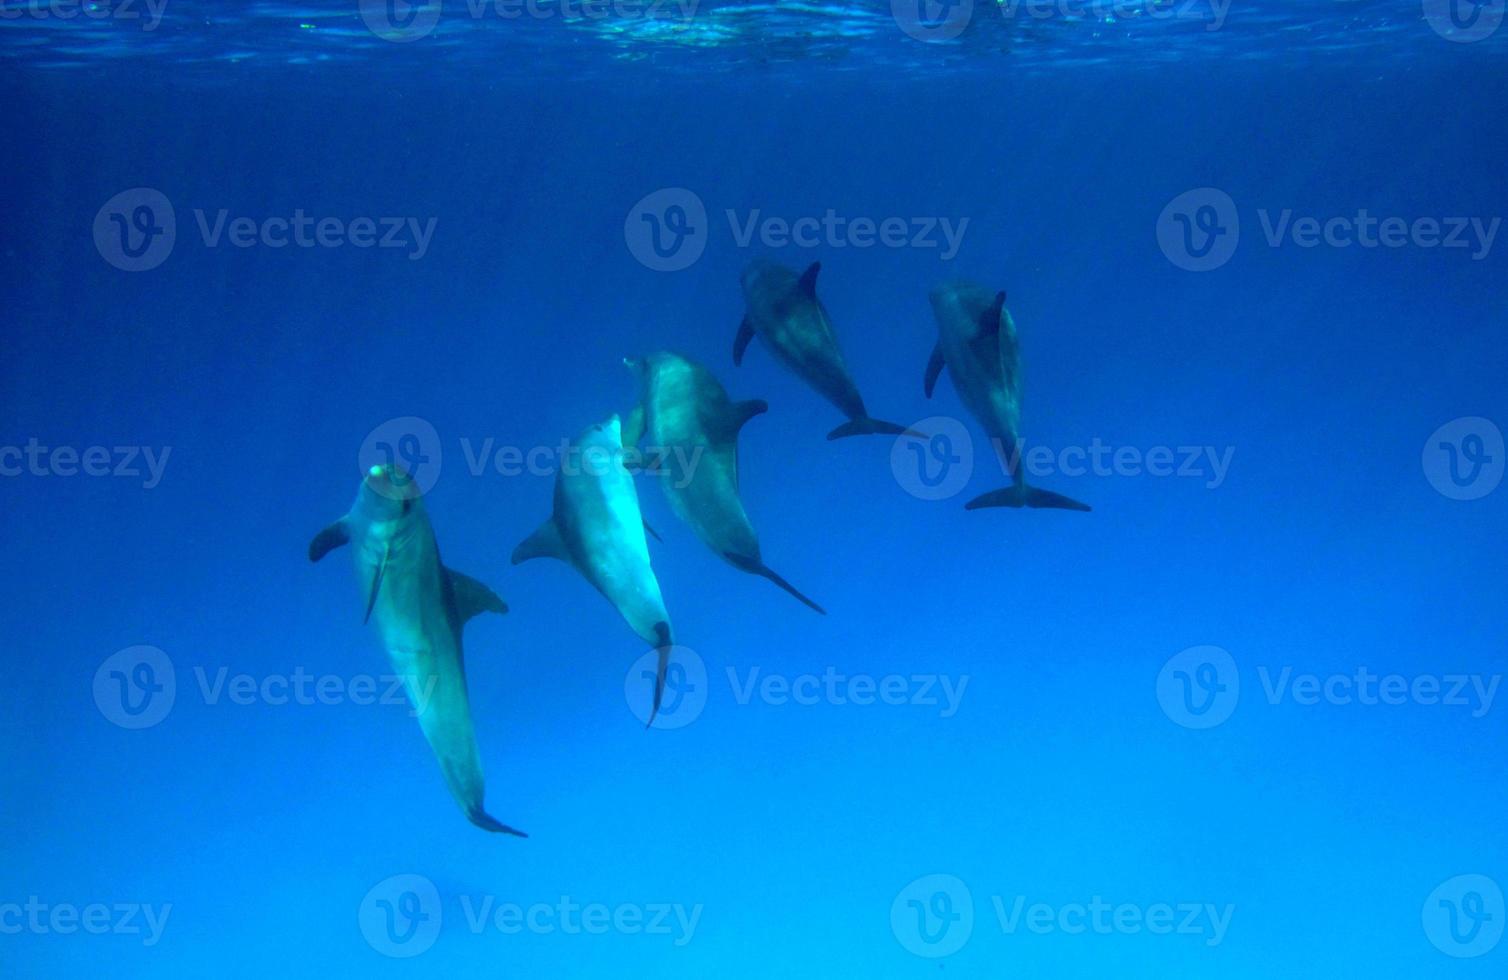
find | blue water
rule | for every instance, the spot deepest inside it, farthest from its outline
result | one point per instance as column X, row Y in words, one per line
column 1091, row 801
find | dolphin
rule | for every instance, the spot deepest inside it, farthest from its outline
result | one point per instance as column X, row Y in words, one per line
column 420, row 607
column 598, row 530
column 977, row 343
column 693, row 428
column 784, row 311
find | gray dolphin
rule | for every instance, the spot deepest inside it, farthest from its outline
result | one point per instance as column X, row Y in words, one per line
column 693, row 429
column 784, row 311
column 977, row 343
column 420, row 607
column 598, row 530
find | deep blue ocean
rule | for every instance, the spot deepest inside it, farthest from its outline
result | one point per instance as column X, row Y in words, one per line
column 1243, row 719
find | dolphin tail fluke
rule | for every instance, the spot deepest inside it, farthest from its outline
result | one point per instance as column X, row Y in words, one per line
column 865, row 426
column 487, row 821
column 755, row 567
column 662, row 646
column 1025, row 496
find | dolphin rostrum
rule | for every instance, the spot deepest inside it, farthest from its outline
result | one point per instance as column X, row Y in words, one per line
column 598, row 530
column 692, row 429
column 420, row 607
column 784, row 311
column 977, row 343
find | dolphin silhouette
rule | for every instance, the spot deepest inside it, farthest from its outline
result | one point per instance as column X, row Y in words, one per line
column 692, row 428
column 598, row 530
column 977, row 344
column 420, row 607
column 783, row 310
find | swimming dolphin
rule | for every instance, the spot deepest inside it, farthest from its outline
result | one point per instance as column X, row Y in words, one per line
column 977, row 342
column 693, row 429
column 420, row 607
column 784, row 311
column 598, row 530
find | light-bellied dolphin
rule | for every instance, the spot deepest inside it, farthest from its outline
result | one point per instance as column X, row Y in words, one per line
column 977, row 343
column 692, row 430
column 420, row 607
column 598, row 530
column 783, row 310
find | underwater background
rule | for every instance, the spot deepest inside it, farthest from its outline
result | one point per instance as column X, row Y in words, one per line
column 1242, row 720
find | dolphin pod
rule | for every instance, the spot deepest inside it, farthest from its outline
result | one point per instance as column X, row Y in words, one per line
column 691, row 427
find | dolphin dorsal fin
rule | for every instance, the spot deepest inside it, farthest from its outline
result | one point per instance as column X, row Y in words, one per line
column 472, row 597
column 990, row 321
column 808, row 281
column 544, row 543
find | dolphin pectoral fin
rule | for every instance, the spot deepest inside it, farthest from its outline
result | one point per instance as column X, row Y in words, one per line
column 653, row 533
column 755, row 567
column 934, row 368
column 866, row 426
column 329, row 539
column 487, row 821
column 808, row 282
column 741, row 342
column 663, row 643
column 376, row 586
column 544, row 543
column 472, row 597
column 1024, row 496
column 633, row 427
